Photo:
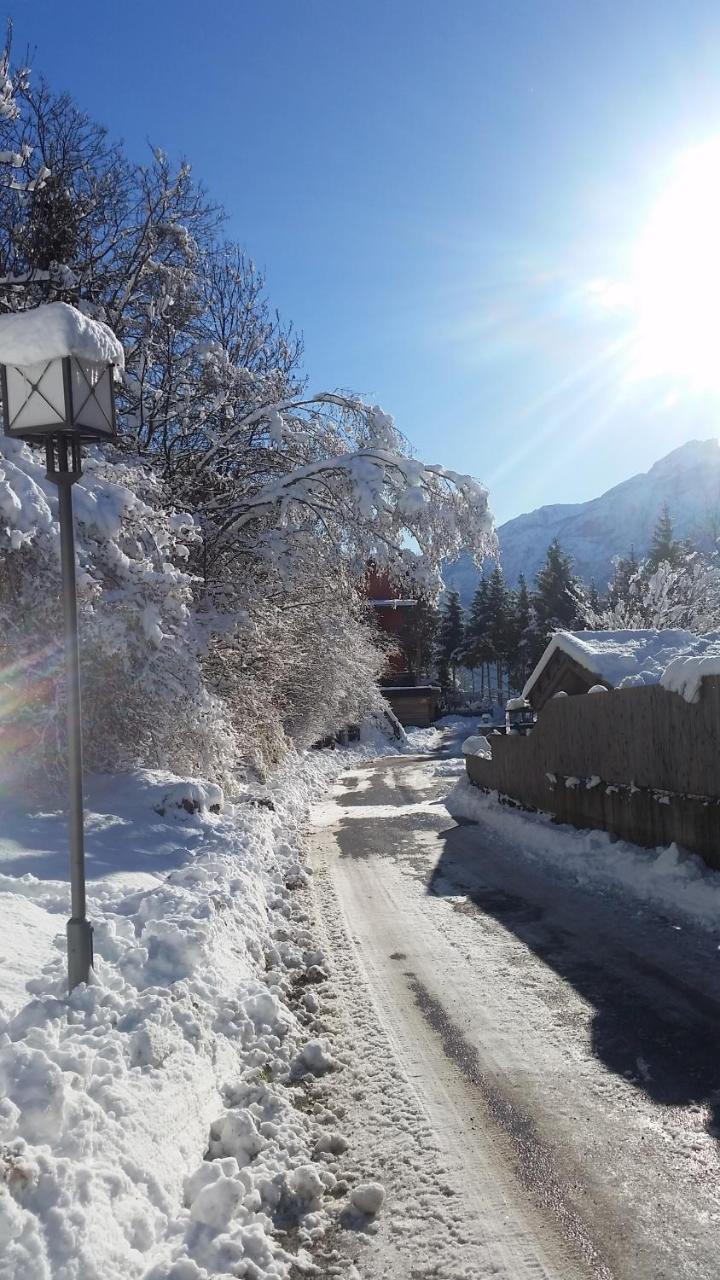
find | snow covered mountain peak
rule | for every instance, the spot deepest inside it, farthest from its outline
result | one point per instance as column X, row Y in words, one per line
column 593, row 533
column 690, row 454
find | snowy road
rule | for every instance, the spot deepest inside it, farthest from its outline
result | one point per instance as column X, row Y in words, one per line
column 540, row 1063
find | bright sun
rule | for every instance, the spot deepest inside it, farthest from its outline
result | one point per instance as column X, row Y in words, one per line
column 676, row 277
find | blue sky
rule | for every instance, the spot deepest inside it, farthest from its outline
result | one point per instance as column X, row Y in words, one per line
column 435, row 191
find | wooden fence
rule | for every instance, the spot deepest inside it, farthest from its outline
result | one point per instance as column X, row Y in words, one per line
column 639, row 762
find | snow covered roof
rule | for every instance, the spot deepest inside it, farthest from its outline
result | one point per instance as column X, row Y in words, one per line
column 685, row 674
column 625, row 658
column 54, row 331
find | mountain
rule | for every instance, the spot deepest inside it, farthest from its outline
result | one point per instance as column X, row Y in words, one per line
column 594, row 532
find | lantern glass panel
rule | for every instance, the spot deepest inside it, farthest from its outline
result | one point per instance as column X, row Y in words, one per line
column 92, row 396
column 36, row 399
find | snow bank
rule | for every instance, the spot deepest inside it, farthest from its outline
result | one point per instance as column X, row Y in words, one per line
column 54, row 331
column 677, row 881
column 685, row 674
column 148, row 1122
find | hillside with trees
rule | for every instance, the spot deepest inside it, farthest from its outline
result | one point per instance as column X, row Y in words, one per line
column 596, row 533
column 505, row 631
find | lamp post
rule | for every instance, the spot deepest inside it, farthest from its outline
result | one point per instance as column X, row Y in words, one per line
column 519, row 716
column 62, row 402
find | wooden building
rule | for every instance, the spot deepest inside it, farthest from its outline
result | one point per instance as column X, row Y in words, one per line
column 397, row 614
column 575, row 662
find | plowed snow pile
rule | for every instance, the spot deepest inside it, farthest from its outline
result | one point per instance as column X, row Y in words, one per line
column 149, row 1123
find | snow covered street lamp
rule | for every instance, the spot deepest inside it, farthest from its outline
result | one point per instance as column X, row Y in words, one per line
column 519, row 716
column 57, row 372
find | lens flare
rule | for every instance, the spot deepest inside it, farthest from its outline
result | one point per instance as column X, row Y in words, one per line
column 676, row 278
column 27, row 692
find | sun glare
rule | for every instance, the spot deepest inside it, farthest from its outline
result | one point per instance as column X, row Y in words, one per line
column 676, row 280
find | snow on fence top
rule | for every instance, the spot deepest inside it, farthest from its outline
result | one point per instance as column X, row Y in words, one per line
column 685, row 674
column 54, row 331
column 671, row 657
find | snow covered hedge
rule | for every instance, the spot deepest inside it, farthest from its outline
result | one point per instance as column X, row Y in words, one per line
column 146, row 701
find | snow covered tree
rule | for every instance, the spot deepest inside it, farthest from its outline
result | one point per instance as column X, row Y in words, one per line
column 288, row 494
column 624, row 570
column 685, row 594
column 146, row 699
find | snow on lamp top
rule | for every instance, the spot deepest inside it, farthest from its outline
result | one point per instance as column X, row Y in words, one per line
column 55, row 331
column 57, row 367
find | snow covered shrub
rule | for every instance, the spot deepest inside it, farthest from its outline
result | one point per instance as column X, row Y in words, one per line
column 298, row 663
column 336, row 662
column 145, row 698
column 683, row 594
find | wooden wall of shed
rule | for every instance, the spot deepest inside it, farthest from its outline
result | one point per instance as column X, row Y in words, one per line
column 645, row 735
column 413, row 708
column 644, row 742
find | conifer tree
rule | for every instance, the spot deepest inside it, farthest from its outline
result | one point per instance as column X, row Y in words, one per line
column 498, row 637
column 620, row 590
column 521, row 636
column 663, row 548
column 476, row 646
column 450, row 639
column 555, row 599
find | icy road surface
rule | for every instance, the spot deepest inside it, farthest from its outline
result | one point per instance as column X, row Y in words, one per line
column 535, row 1066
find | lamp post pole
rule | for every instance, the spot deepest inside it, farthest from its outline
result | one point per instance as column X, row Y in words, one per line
column 57, row 373
column 63, row 469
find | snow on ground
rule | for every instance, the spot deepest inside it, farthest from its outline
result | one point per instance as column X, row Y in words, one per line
column 179, row 1118
column 670, row 878
column 444, row 734
column 421, row 740
column 527, row 1055
column 155, row 1123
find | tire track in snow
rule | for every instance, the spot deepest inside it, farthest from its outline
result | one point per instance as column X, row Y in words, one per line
column 451, row 1213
